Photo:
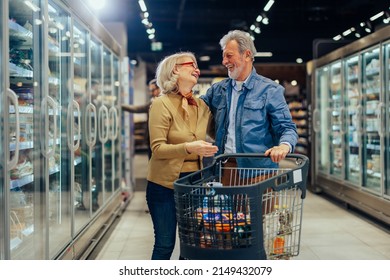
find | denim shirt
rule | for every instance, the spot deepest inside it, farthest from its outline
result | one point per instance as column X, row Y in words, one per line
column 263, row 119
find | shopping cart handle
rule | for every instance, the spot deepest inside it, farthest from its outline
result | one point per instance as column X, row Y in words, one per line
column 258, row 155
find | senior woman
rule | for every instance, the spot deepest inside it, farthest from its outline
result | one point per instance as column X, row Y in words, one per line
column 177, row 126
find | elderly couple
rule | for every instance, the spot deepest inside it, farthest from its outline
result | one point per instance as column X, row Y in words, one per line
column 249, row 112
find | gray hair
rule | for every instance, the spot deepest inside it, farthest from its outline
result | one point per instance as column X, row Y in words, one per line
column 242, row 38
column 166, row 79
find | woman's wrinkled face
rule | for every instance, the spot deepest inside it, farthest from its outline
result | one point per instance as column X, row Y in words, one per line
column 187, row 70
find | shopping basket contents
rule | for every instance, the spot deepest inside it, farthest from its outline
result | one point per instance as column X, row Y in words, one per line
column 257, row 214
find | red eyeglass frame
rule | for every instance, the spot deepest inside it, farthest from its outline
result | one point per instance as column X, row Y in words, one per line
column 193, row 64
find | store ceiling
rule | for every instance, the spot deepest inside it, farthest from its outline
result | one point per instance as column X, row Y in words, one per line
column 197, row 25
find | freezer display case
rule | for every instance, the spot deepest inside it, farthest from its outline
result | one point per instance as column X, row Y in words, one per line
column 59, row 140
column 115, row 126
column 3, row 147
column 353, row 111
column 82, row 124
column 386, row 71
column 100, row 136
column 372, row 103
column 350, row 123
column 335, row 120
column 27, row 150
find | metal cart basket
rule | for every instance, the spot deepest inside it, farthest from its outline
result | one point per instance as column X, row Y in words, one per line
column 256, row 214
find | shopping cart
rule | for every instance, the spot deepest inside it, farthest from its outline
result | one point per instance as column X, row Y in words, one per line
column 256, row 215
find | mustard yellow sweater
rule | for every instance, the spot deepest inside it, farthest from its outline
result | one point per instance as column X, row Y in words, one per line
column 169, row 131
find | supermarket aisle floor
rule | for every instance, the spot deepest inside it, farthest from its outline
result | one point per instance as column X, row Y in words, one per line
column 329, row 232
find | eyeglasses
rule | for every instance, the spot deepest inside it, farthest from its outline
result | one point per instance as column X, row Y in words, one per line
column 191, row 63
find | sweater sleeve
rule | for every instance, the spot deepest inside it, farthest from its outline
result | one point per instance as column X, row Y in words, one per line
column 160, row 123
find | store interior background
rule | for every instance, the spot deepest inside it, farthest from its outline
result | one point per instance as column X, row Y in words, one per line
column 330, row 84
column 288, row 35
column 296, row 32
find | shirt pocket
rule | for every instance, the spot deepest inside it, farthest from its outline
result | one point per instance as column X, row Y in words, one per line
column 254, row 111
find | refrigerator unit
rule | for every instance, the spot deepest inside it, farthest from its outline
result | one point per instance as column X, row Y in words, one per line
column 60, row 147
column 351, row 117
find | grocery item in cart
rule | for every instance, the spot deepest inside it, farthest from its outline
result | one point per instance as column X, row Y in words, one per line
column 229, row 222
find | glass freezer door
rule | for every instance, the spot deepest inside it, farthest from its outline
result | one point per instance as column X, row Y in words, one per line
column 116, row 127
column 373, row 130
column 353, row 118
column 100, row 117
column 386, row 67
column 26, row 196
column 82, row 198
column 3, row 98
column 321, row 119
column 336, row 120
column 108, row 102
column 57, row 153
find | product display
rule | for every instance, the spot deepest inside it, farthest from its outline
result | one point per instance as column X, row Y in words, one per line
column 64, row 162
column 298, row 109
column 350, row 123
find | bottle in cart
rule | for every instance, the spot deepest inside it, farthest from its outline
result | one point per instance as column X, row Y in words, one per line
column 279, row 240
column 286, row 225
column 278, row 244
column 285, row 219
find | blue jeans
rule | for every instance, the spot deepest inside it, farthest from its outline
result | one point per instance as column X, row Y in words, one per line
column 161, row 204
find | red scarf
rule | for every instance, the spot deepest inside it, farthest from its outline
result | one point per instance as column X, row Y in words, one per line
column 187, row 100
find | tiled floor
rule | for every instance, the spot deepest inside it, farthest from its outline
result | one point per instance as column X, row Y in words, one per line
column 329, row 232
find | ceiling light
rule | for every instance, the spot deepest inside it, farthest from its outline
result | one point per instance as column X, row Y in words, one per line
column 337, row 37
column 259, row 18
column 204, row 58
column 263, row 54
column 150, row 30
column 378, row 15
column 265, row 20
column 299, row 60
column 268, row 5
column 142, row 5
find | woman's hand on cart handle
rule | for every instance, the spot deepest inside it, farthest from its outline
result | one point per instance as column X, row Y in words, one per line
column 201, row 148
column 278, row 153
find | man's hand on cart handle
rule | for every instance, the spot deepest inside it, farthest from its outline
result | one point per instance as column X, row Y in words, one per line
column 201, row 148
column 278, row 153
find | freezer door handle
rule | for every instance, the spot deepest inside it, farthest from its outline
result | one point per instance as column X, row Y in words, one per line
column 103, row 124
column 113, row 123
column 381, row 110
column 90, row 113
column 316, row 120
column 73, row 147
column 14, row 99
column 46, row 103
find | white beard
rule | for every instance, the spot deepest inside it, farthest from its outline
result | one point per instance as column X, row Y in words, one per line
column 236, row 72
